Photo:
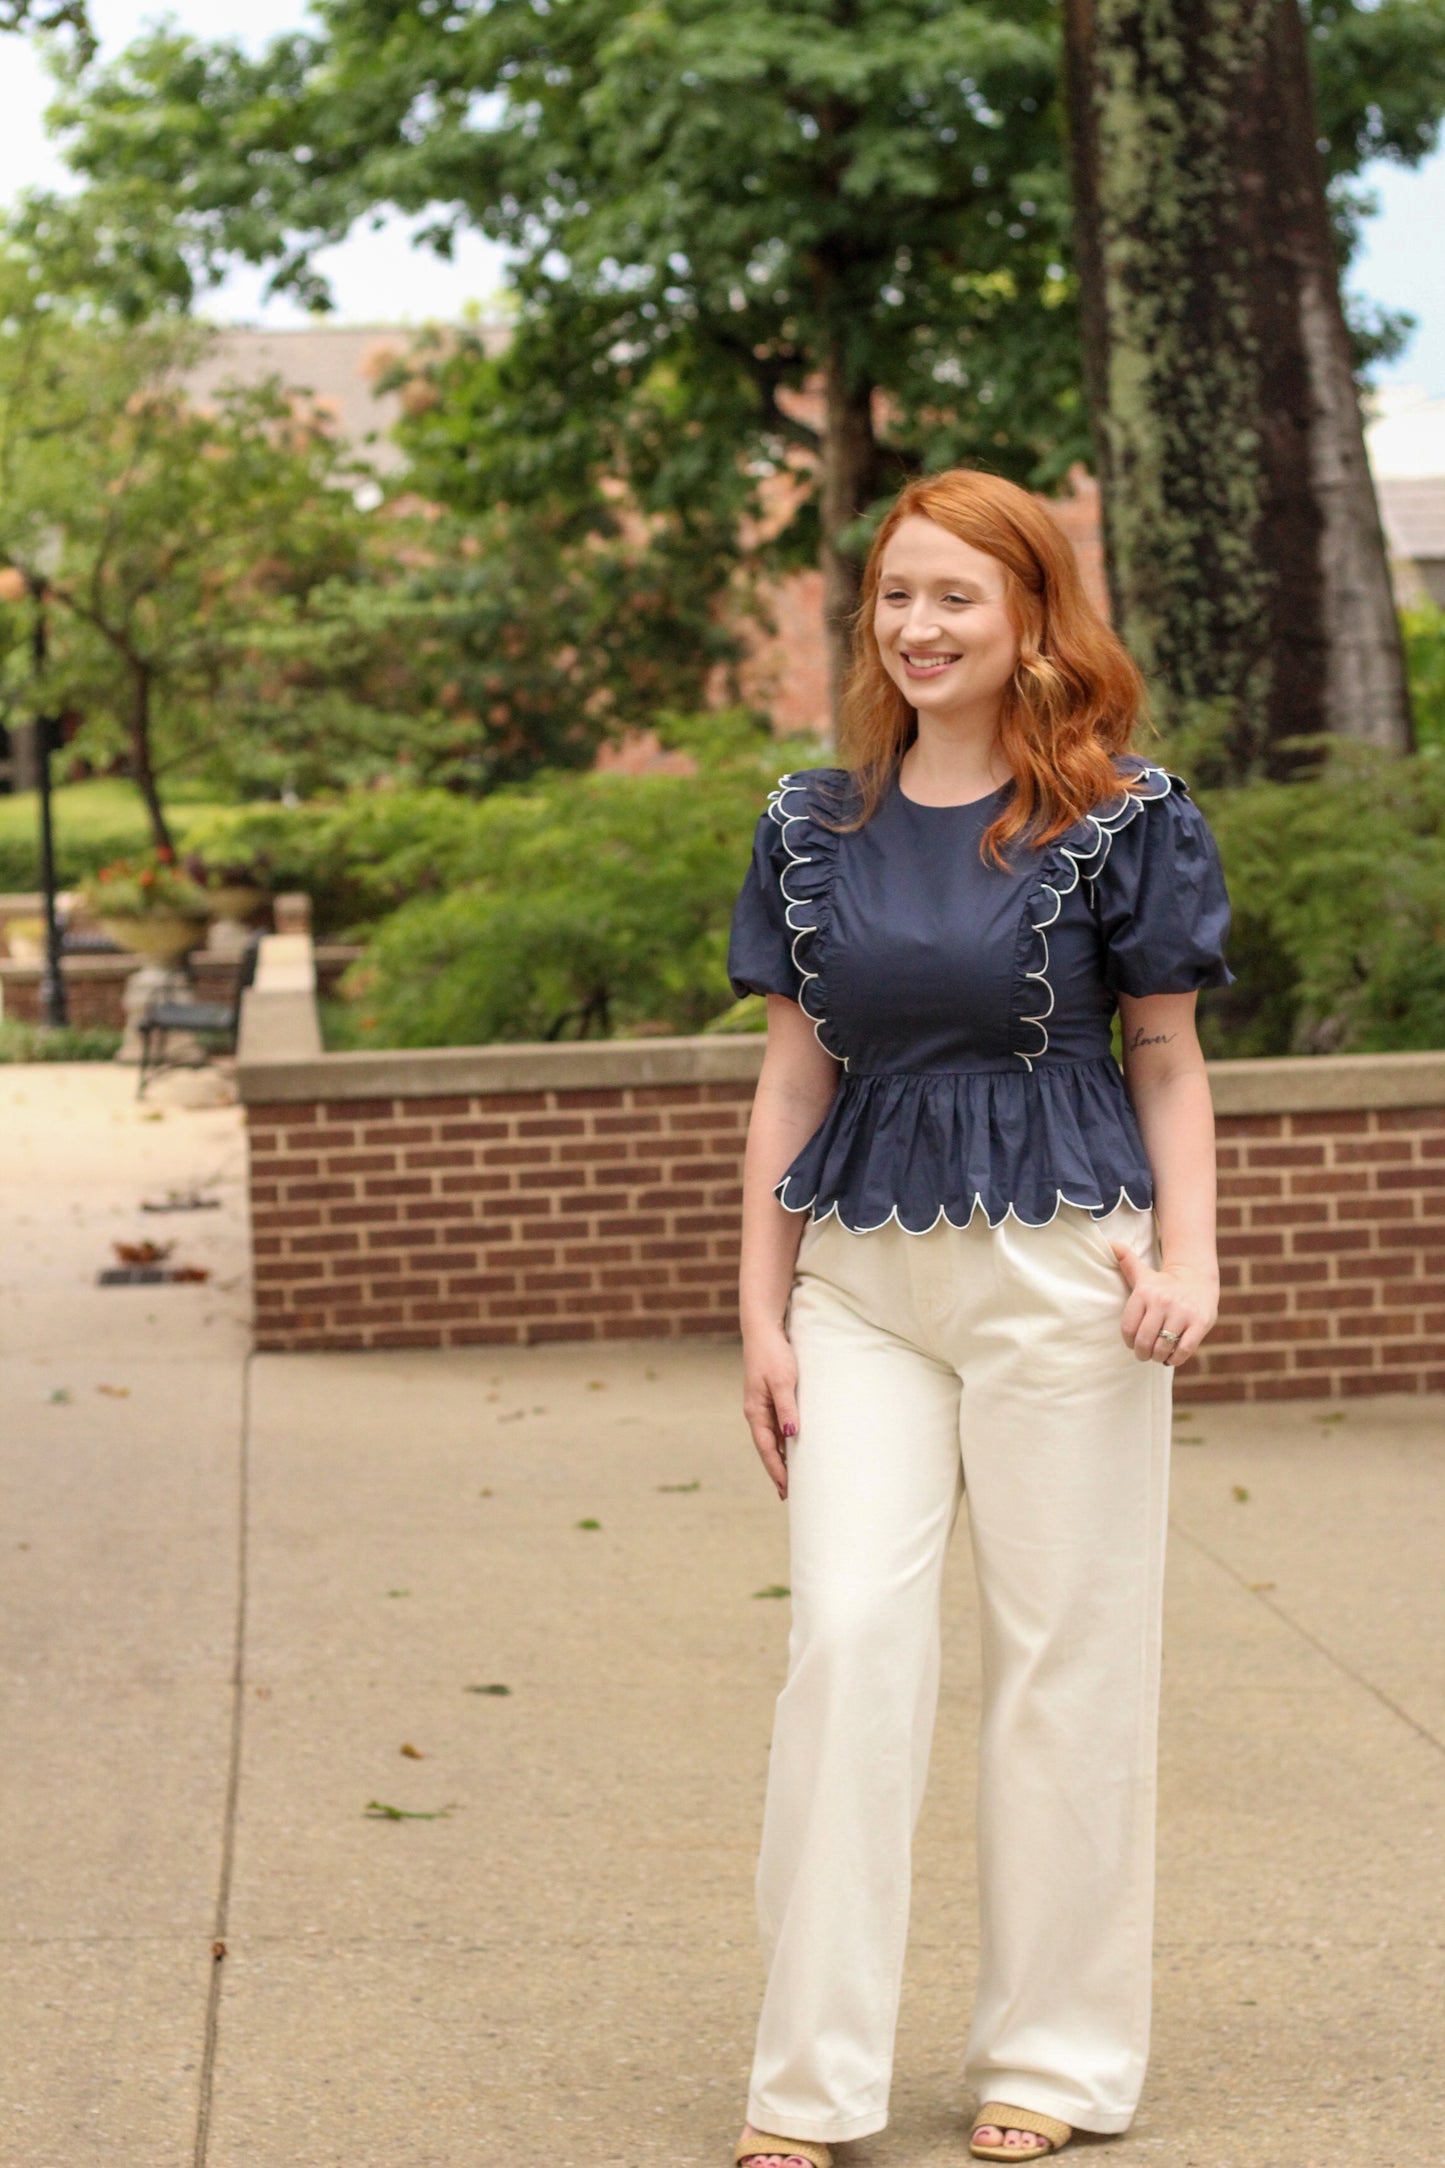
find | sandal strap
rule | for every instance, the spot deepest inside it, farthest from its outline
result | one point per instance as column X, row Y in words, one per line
column 763, row 2141
column 1003, row 2117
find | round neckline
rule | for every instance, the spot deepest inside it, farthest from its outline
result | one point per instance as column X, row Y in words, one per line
column 961, row 805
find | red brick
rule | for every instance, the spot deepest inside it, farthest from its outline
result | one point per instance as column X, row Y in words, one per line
column 1330, row 1124
column 1331, row 1240
column 360, row 1162
column 1383, row 1381
column 449, row 1107
column 472, row 1131
column 1256, row 1246
column 1410, row 1117
column 1375, row 1324
column 1292, row 1272
column 1251, row 1185
column 552, row 1125
column 1294, row 1212
column 1251, row 1125
column 357, row 1110
column 1286, row 1155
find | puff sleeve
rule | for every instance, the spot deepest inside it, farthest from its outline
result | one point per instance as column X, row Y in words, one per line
column 760, row 945
column 1161, row 900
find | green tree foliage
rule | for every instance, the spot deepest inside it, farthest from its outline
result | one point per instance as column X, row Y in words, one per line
column 194, row 561
column 709, row 207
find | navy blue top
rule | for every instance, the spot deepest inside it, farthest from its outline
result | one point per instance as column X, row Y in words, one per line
column 969, row 1005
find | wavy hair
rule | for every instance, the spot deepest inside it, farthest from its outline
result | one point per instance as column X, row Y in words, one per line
column 1076, row 694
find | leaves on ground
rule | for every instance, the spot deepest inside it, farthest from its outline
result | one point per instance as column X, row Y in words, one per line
column 380, row 1811
column 398, row 1592
column 778, row 1589
column 695, row 1484
column 413, row 1753
column 142, row 1253
column 493, row 1689
column 1239, row 1494
column 1262, row 1588
column 61, row 1397
column 114, row 1392
column 587, row 1524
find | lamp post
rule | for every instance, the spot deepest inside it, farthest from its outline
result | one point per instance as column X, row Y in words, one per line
column 16, row 582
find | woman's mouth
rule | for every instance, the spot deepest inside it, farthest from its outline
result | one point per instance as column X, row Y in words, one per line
column 926, row 665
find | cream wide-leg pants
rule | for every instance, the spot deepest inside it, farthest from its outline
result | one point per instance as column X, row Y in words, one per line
column 991, row 1359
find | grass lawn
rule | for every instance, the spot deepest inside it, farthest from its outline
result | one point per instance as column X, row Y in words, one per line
column 94, row 822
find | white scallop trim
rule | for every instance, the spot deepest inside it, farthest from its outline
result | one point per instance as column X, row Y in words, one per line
column 793, row 903
column 1107, row 828
column 1008, row 1212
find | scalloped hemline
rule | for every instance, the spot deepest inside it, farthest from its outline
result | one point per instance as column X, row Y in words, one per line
column 1095, row 1211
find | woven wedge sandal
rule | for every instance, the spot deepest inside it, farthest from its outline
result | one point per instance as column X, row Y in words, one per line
column 762, row 2142
column 1002, row 2117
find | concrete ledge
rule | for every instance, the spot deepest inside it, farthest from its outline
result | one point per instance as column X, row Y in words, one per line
column 278, row 1012
column 1327, row 1083
column 460, row 1071
column 276, row 1070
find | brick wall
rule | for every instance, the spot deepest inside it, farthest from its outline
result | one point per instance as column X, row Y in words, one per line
column 509, row 1216
column 1331, row 1254
column 530, row 1193
column 95, row 985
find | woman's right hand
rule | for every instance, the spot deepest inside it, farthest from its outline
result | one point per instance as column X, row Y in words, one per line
column 770, row 1398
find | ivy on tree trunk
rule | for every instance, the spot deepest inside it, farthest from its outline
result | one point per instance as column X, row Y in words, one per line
column 1247, row 566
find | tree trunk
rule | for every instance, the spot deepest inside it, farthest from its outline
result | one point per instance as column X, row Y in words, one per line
column 141, row 769
column 1247, row 567
column 847, row 486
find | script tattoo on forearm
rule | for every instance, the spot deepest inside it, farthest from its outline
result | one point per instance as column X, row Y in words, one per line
column 1160, row 1038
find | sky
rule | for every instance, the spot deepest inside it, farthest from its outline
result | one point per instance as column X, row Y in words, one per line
column 381, row 277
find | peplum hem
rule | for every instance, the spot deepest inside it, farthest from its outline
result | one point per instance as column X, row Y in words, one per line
column 923, row 1145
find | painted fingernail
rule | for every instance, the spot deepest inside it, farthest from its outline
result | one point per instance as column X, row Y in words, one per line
column 790, row 1430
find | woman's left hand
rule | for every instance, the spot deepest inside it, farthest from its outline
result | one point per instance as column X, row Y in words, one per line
column 1175, row 1298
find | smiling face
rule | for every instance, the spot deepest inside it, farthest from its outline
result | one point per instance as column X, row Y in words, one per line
column 942, row 623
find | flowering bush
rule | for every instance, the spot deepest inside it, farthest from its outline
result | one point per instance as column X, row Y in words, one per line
column 212, row 873
column 152, row 886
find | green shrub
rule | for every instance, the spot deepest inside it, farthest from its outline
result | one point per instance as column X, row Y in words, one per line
column 1424, row 631
column 589, row 905
column 63, row 1042
column 1338, row 888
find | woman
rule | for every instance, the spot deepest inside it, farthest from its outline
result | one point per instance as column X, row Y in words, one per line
column 974, row 1254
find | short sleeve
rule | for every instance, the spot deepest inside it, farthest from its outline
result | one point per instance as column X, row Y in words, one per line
column 1161, row 900
column 760, row 945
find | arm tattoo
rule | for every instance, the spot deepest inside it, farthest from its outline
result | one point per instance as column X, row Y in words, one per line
column 1160, row 1038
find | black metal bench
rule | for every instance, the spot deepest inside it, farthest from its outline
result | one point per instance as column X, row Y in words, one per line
column 203, row 1019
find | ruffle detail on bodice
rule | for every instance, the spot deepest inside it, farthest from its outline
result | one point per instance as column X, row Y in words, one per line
column 920, row 1145
column 1080, row 853
column 806, row 883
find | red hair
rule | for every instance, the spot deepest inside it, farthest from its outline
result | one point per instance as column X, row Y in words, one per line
column 1076, row 694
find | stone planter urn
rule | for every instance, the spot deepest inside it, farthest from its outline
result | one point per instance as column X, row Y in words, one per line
column 231, row 906
column 162, row 937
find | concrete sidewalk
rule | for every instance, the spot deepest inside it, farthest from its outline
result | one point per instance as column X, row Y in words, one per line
column 562, row 1966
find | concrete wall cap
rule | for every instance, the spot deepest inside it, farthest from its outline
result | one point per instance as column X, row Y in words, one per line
column 1303, row 1084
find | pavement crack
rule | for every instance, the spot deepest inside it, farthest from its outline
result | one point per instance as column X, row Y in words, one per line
column 1295, row 1626
column 221, row 1919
